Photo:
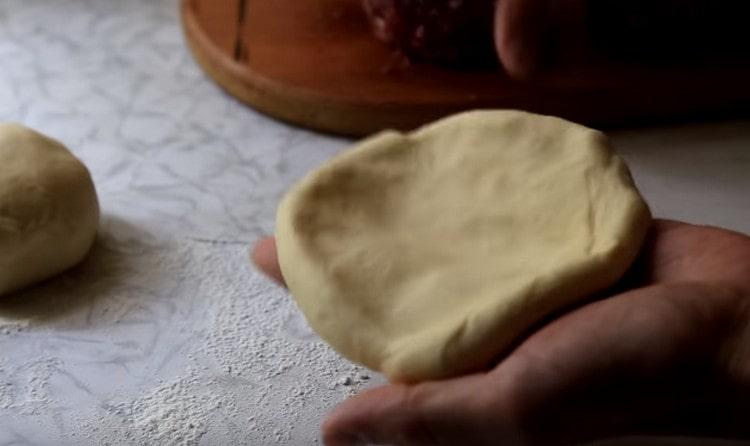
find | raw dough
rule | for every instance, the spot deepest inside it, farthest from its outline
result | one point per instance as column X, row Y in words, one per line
column 427, row 255
column 48, row 208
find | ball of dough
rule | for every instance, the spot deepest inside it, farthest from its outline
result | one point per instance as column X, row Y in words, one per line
column 48, row 208
column 426, row 255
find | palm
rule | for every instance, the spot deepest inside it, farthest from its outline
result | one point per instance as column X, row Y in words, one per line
column 654, row 357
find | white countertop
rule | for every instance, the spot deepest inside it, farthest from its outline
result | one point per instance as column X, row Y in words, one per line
column 165, row 335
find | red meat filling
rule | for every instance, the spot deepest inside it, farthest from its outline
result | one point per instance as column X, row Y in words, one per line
column 455, row 33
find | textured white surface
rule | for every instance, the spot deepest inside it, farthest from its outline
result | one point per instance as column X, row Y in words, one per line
column 165, row 335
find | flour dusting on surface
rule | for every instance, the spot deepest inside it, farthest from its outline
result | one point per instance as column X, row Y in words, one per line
column 25, row 388
column 215, row 353
column 173, row 413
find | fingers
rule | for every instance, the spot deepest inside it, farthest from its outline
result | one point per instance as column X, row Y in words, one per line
column 265, row 257
column 531, row 35
column 519, row 29
column 677, row 251
column 641, row 362
column 448, row 412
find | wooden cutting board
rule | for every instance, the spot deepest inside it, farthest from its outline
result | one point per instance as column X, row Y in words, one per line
column 314, row 63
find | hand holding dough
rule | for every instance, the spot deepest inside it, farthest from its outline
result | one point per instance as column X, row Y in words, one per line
column 426, row 255
column 48, row 208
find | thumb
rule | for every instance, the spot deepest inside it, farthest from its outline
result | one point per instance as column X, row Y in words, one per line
column 266, row 258
column 448, row 412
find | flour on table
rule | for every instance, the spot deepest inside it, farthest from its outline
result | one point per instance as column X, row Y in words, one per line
column 169, row 342
column 25, row 388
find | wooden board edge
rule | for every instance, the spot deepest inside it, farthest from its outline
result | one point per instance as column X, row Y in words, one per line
column 297, row 106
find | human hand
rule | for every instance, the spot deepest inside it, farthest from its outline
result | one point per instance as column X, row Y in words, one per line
column 667, row 353
column 524, row 27
column 527, row 32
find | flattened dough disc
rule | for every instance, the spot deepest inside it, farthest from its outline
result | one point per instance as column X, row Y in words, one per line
column 425, row 255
